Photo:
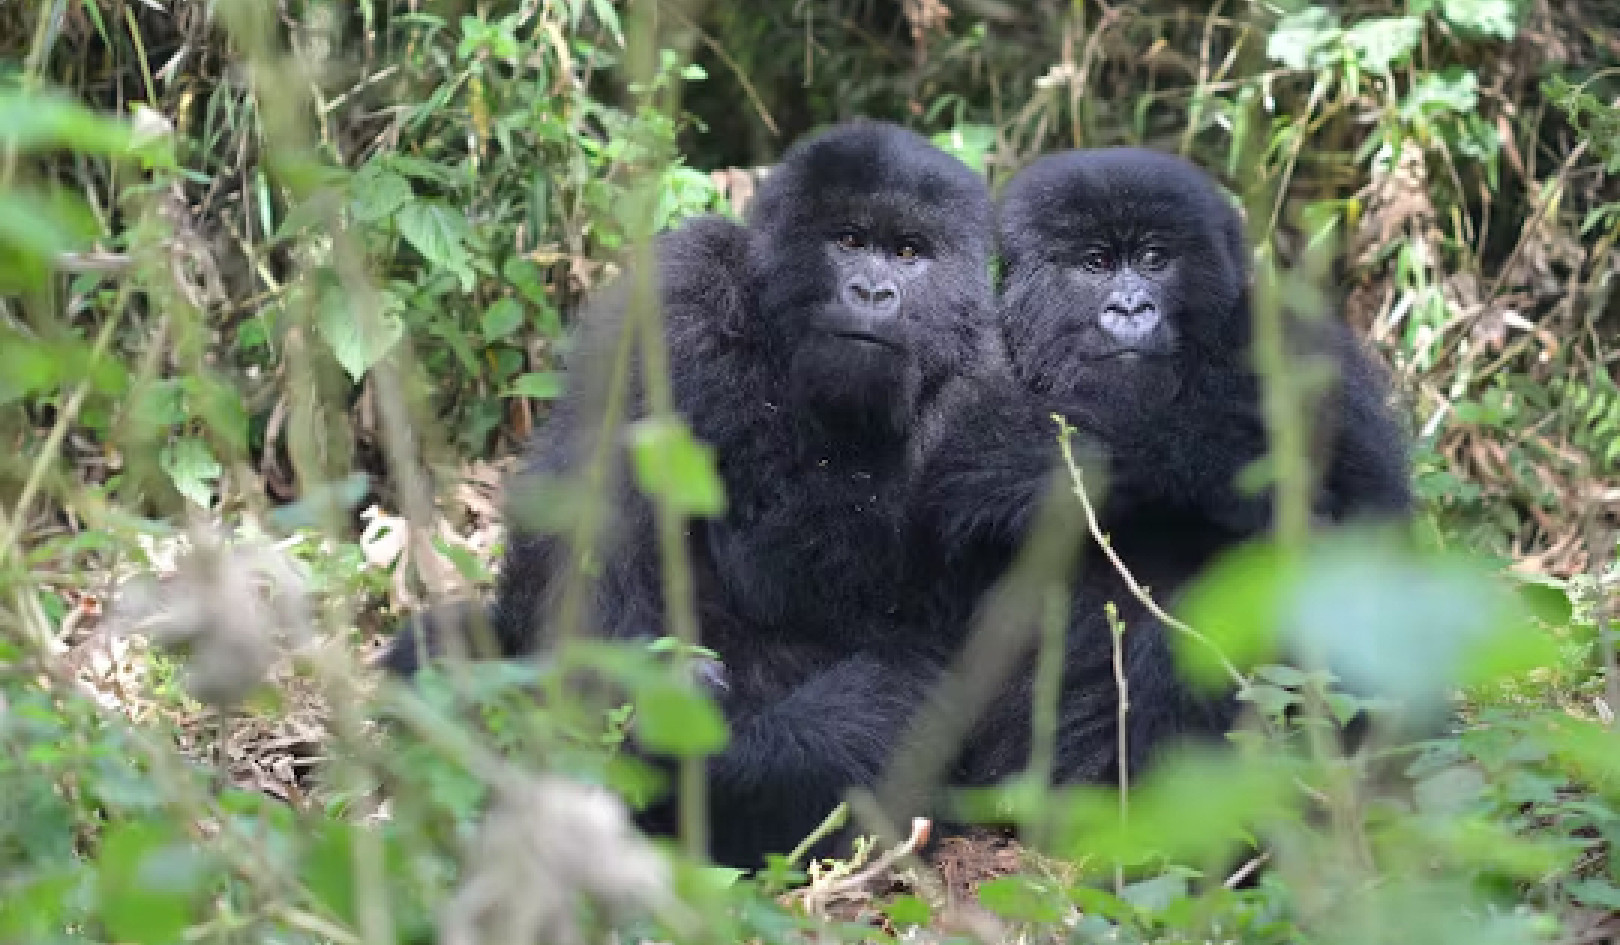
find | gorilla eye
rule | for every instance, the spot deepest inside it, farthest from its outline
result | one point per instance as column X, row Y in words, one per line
column 908, row 249
column 850, row 239
column 1153, row 258
column 1097, row 260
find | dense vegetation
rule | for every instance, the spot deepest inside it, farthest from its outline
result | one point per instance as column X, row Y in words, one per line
column 282, row 283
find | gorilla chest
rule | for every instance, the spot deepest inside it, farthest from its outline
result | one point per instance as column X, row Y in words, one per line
column 816, row 544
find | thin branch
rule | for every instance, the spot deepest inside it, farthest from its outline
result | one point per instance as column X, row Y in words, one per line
column 1137, row 590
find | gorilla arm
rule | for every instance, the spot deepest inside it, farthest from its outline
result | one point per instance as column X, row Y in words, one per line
column 1369, row 472
column 700, row 268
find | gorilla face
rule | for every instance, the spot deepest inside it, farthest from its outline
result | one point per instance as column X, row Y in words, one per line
column 1125, row 271
column 870, row 253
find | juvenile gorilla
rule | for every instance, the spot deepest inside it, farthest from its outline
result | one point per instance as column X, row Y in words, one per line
column 809, row 348
column 1126, row 308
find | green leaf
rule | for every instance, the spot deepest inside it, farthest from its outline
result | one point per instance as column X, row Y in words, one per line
column 1398, row 623
column 440, row 233
column 538, row 385
column 1020, row 899
column 1595, row 892
column 1237, row 604
column 908, row 910
column 321, row 501
column 191, row 466
column 49, row 121
column 1304, row 40
column 1546, row 598
column 35, row 228
column 358, row 342
column 27, row 365
column 1382, row 42
column 676, row 719
column 328, row 869
column 1159, row 893
column 501, row 319
column 1192, row 806
column 671, row 465
column 1453, row 90
column 147, row 880
column 969, row 143
column 1497, row 18
column 378, row 193
column 1451, row 791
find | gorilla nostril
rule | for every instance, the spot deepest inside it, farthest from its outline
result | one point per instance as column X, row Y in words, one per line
column 883, row 295
column 1144, row 307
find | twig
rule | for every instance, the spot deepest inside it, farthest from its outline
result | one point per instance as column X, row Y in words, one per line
column 1247, row 870
column 1103, row 542
column 814, row 898
column 831, row 823
column 732, row 64
column 1116, row 630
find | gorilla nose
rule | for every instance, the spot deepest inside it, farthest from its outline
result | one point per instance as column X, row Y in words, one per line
column 871, row 296
column 1130, row 318
column 1133, row 306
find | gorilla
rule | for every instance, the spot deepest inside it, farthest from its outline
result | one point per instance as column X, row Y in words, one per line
column 810, row 349
column 1125, row 308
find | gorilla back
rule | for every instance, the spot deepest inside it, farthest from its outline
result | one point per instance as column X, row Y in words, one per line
column 808, row 348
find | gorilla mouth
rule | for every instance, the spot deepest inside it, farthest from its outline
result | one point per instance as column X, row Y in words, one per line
column 867, row 338
column 1131, row 354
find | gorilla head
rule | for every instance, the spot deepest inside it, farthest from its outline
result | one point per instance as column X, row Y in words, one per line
column 868, row 250
column 1125, row 274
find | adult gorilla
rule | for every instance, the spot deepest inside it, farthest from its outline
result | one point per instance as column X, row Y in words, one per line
column 809, row 348
column 1126, row 308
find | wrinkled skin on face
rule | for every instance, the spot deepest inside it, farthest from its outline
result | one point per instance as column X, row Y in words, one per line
column 1125, row 274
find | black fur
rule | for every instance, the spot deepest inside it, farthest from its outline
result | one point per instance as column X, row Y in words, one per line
column 809, row 348
column 1174, row 424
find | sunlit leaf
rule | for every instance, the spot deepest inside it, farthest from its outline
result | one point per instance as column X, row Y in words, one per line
column 1020, row 899
column 378, row 193
column 970, row 143
column 1304, row 40
column 191, row 466
column 1237, row 604
column 1496, row 18
column 1453, row 90
column 538, row 385
column 679, row 720
column 1410, row 626
column 358, row 340
column 46, row 121
column 904, row 911
column 670, row 464
column 1191, row 807
column 1382, row 42
column 440, row 233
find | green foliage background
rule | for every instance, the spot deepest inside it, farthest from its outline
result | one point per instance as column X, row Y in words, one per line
column 264, row 266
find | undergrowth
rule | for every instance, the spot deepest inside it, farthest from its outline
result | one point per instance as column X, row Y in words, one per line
column 276, row 280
